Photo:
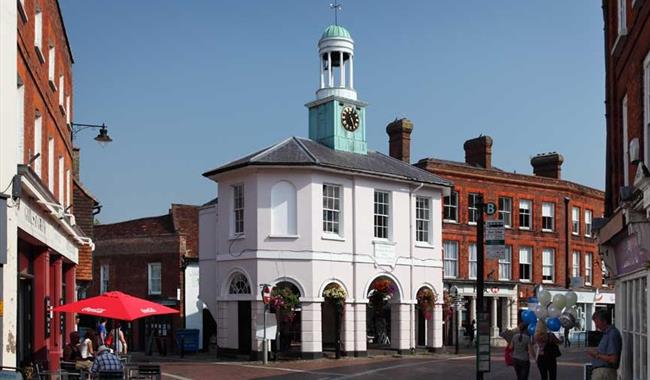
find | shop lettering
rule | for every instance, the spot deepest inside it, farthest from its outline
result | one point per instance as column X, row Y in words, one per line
column 95, row 310
column 148, row 310
column 35, row 220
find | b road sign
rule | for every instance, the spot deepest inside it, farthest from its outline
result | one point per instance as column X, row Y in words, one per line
column 490, row 208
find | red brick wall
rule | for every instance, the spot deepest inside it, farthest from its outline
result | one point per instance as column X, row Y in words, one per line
column 494, row 184
column 624, row 75
column 38, row 94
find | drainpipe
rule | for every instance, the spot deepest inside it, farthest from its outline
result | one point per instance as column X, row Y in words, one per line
column 411, row 307
column 354, row 268
column 567, row 238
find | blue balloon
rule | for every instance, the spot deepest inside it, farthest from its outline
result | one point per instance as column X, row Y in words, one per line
column 529, row 316
column 531, row 329
column 553, row 324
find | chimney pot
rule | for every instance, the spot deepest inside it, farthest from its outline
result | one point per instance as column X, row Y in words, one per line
column 399, row 139
column 478, row 152
column 548, row 165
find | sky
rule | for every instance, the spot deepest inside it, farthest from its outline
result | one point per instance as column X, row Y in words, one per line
column 186, row 86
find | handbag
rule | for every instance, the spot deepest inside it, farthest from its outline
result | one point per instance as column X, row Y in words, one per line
column 508, row 356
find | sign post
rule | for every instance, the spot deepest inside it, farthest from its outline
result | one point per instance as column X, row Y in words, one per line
column 266, row 298
column 483, row 323
column 495, row 239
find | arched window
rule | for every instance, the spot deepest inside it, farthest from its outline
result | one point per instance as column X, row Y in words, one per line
column 283, row 209
column 239, row 284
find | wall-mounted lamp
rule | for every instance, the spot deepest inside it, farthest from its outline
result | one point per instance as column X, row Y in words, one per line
column 102, row 138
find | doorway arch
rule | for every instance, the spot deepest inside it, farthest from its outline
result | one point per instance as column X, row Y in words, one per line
column 383, row 295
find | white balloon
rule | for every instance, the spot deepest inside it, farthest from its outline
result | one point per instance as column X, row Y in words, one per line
column 559, row 300
column 540, row 312
column 573, row 311
column 553, row 311
column 544, row 297
column 571, row 298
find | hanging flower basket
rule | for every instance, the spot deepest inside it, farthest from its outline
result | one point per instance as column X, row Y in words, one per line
column 381, row 290
column 426, row 299
column 284, row 301
column 336, row 294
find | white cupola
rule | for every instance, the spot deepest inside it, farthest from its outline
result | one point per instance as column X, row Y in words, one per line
column 336, row 51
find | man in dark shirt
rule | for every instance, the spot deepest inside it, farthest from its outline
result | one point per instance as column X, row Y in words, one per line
column 607, row 356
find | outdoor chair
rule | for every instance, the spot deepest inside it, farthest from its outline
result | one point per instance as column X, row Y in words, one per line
column 12, row 373
column 110, row 375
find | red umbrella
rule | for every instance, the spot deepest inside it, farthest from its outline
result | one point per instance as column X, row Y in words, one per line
column 116, row 305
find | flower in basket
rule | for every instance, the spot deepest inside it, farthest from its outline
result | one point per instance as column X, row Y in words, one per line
column 284, row 301
column 336, row 293
column 426, row 299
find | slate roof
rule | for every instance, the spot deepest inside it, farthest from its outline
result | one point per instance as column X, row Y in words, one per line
column 298, row 151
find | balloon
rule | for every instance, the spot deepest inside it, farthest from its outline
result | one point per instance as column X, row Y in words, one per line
column 531, row 329
column 528, row 316
column 540, row 312
column 559, row 300
column 553, row 324
column 573, row 311
column 571, row 298
column 544, row 297
column 553, row 311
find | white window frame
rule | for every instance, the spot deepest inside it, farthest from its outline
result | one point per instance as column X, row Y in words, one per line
column 62, row 92
column 423, row 220
column 588, row 222
column 589, row 273
column 21, row 10
column 334, row 226
column 104, row 276
column 548, row 263
column 382, row 210
column 61, row 185
column 38, row 33
column 622, row 17
column 38, row 143
column 575, row 266
column 528, row 254
column 626, row 144
column 575, row 220
column 51, row 66
column 505, row 213
column 472, row 209
column 505, row 265
column 150, row 278
column 68, row 192
column 50, row 164
column 20, row 110
column 238, row 209
column 450, row 258
column 67, row 110
column 450, row 202
column 529, row 207
column 548, row 211
column 472, row 261
column 631, row 296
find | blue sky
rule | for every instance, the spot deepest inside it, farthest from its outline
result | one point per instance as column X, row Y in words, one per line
column 186, row 86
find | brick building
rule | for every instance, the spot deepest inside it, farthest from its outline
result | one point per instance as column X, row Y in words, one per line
column 41, row 244
column 624, row 235
column 147, row 258
column 539, row 212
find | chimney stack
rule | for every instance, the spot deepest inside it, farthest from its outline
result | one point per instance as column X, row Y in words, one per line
column 75, row 163
column 399, row 141
column 548, row 165
column 478, row 151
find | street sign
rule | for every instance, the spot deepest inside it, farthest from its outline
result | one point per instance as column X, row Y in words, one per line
column 490, row 208
column 495, row 239
column 266, row 294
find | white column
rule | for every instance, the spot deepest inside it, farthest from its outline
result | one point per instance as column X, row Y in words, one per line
column 472, row 309
column 322, row 73
column 459, row 323
column 347, row 328
column 400, row 326
column 495, row 327
column 360, row 335
column 514, row 310
column 329, row 70
column 437, row 326
column 351, row 71
column 342, row 69
column 257, row 319
column 312, row 340
column 506, row 312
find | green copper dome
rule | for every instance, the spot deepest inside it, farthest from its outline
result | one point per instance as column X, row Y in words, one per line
column 334, row 31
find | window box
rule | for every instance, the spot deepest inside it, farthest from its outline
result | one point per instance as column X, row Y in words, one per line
column 281, row 236
column 332, row 237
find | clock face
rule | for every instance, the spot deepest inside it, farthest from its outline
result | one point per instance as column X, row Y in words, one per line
column 350, row 119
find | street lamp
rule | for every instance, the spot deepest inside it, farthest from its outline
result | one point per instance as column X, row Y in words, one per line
column 102, row 138
column 453, row 292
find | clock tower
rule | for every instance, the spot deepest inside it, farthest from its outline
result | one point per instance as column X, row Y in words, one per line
column 336, row 118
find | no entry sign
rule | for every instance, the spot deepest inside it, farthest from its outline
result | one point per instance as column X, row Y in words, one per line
column 266, row 295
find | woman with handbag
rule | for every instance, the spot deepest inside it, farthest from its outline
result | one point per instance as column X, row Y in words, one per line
column 522, row 351
column 547, row 354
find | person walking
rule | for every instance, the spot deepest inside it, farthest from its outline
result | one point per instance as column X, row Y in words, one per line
column 567, row 342
column 607, row 357
column 101, row 330
column 548, row 352
column 471, row 331
column 522, row 351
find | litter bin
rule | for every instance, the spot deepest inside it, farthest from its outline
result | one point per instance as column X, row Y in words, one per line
column 187, row 340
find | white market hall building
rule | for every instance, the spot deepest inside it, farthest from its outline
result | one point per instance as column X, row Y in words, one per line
column 306, row 214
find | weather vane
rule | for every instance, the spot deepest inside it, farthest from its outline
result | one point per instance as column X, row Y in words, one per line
column 336, row 7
